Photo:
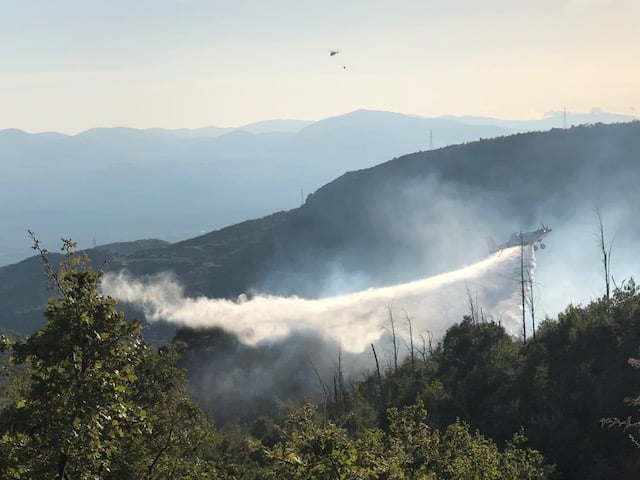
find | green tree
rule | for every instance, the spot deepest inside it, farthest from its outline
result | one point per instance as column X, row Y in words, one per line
column 311, row 451
column 574, row 375
column 94, row 402
column 175, row 440
column 629, row 425
column 409, row 450
column 456, row 453
column 478, row 365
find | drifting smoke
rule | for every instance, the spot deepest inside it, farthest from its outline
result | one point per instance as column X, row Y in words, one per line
column 354, row 320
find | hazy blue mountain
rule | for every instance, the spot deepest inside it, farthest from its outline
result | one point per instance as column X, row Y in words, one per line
column 266, row 126
column 206, row 132
column 114, row 184
column 270, row 126
column 552, row 119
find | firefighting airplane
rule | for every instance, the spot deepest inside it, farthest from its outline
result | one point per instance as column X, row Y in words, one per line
column 518, row 239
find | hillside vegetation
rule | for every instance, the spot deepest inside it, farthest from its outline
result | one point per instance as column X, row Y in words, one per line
column 88, row 398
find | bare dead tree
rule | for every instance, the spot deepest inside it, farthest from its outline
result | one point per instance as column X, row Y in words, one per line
column 411, row 347
column 473, row 305
column 606, row 254
column 426, row 338
column 394, row 339
column 339, row 379
column 423, row 349
column 523, row 292
column 375, row 356
column 531, row 300
column 325, row 390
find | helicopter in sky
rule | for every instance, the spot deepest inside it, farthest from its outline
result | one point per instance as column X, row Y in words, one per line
column 333, row 52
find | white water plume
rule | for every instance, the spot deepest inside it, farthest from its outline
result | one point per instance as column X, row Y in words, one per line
column 355, row 320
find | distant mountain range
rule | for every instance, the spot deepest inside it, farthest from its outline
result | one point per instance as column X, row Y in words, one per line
column 407, row 218
column 552, row 119
column 112, row 184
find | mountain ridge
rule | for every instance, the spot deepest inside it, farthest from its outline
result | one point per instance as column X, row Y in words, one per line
column 203, row 183
column 406, row 218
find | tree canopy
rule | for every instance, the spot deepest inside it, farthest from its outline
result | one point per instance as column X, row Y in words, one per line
column 94, row 401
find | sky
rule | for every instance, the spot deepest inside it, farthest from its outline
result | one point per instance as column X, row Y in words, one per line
column 72, row 65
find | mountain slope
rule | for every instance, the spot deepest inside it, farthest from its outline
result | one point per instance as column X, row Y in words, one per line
column 410, row 217
column 427, row 212
column 202, row 179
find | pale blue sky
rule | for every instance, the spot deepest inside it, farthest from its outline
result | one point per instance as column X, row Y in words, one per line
column 73, row 65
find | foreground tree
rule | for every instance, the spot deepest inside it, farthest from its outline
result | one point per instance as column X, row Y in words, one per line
column 94, row 402
column 175, row 440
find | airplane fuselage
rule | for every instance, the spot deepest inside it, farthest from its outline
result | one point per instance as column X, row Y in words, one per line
column 522, row 239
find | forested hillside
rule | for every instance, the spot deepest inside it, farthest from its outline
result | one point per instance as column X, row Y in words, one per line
column 86, row 397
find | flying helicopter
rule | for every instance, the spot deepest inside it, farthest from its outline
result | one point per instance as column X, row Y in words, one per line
column 521, row 239
column 333, row 52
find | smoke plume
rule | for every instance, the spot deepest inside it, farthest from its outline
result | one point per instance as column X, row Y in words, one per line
column 355, row 320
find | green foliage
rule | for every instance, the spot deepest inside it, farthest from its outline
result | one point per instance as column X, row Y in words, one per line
column 412, row 441
column 632, row 427
column 174, row 440
column 575, row 374
column 94, row 402
column 75, row 406
column 477, row 366
column 410, row 450
column 463, row 455
column 312, row 451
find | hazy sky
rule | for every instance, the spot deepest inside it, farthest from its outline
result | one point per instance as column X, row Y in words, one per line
column 70, row 65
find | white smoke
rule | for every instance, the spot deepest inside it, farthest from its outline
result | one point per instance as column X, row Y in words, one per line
column 354, row 320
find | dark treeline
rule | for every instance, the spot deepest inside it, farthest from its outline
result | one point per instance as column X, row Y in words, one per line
column 556, row 390
column 87, row 398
